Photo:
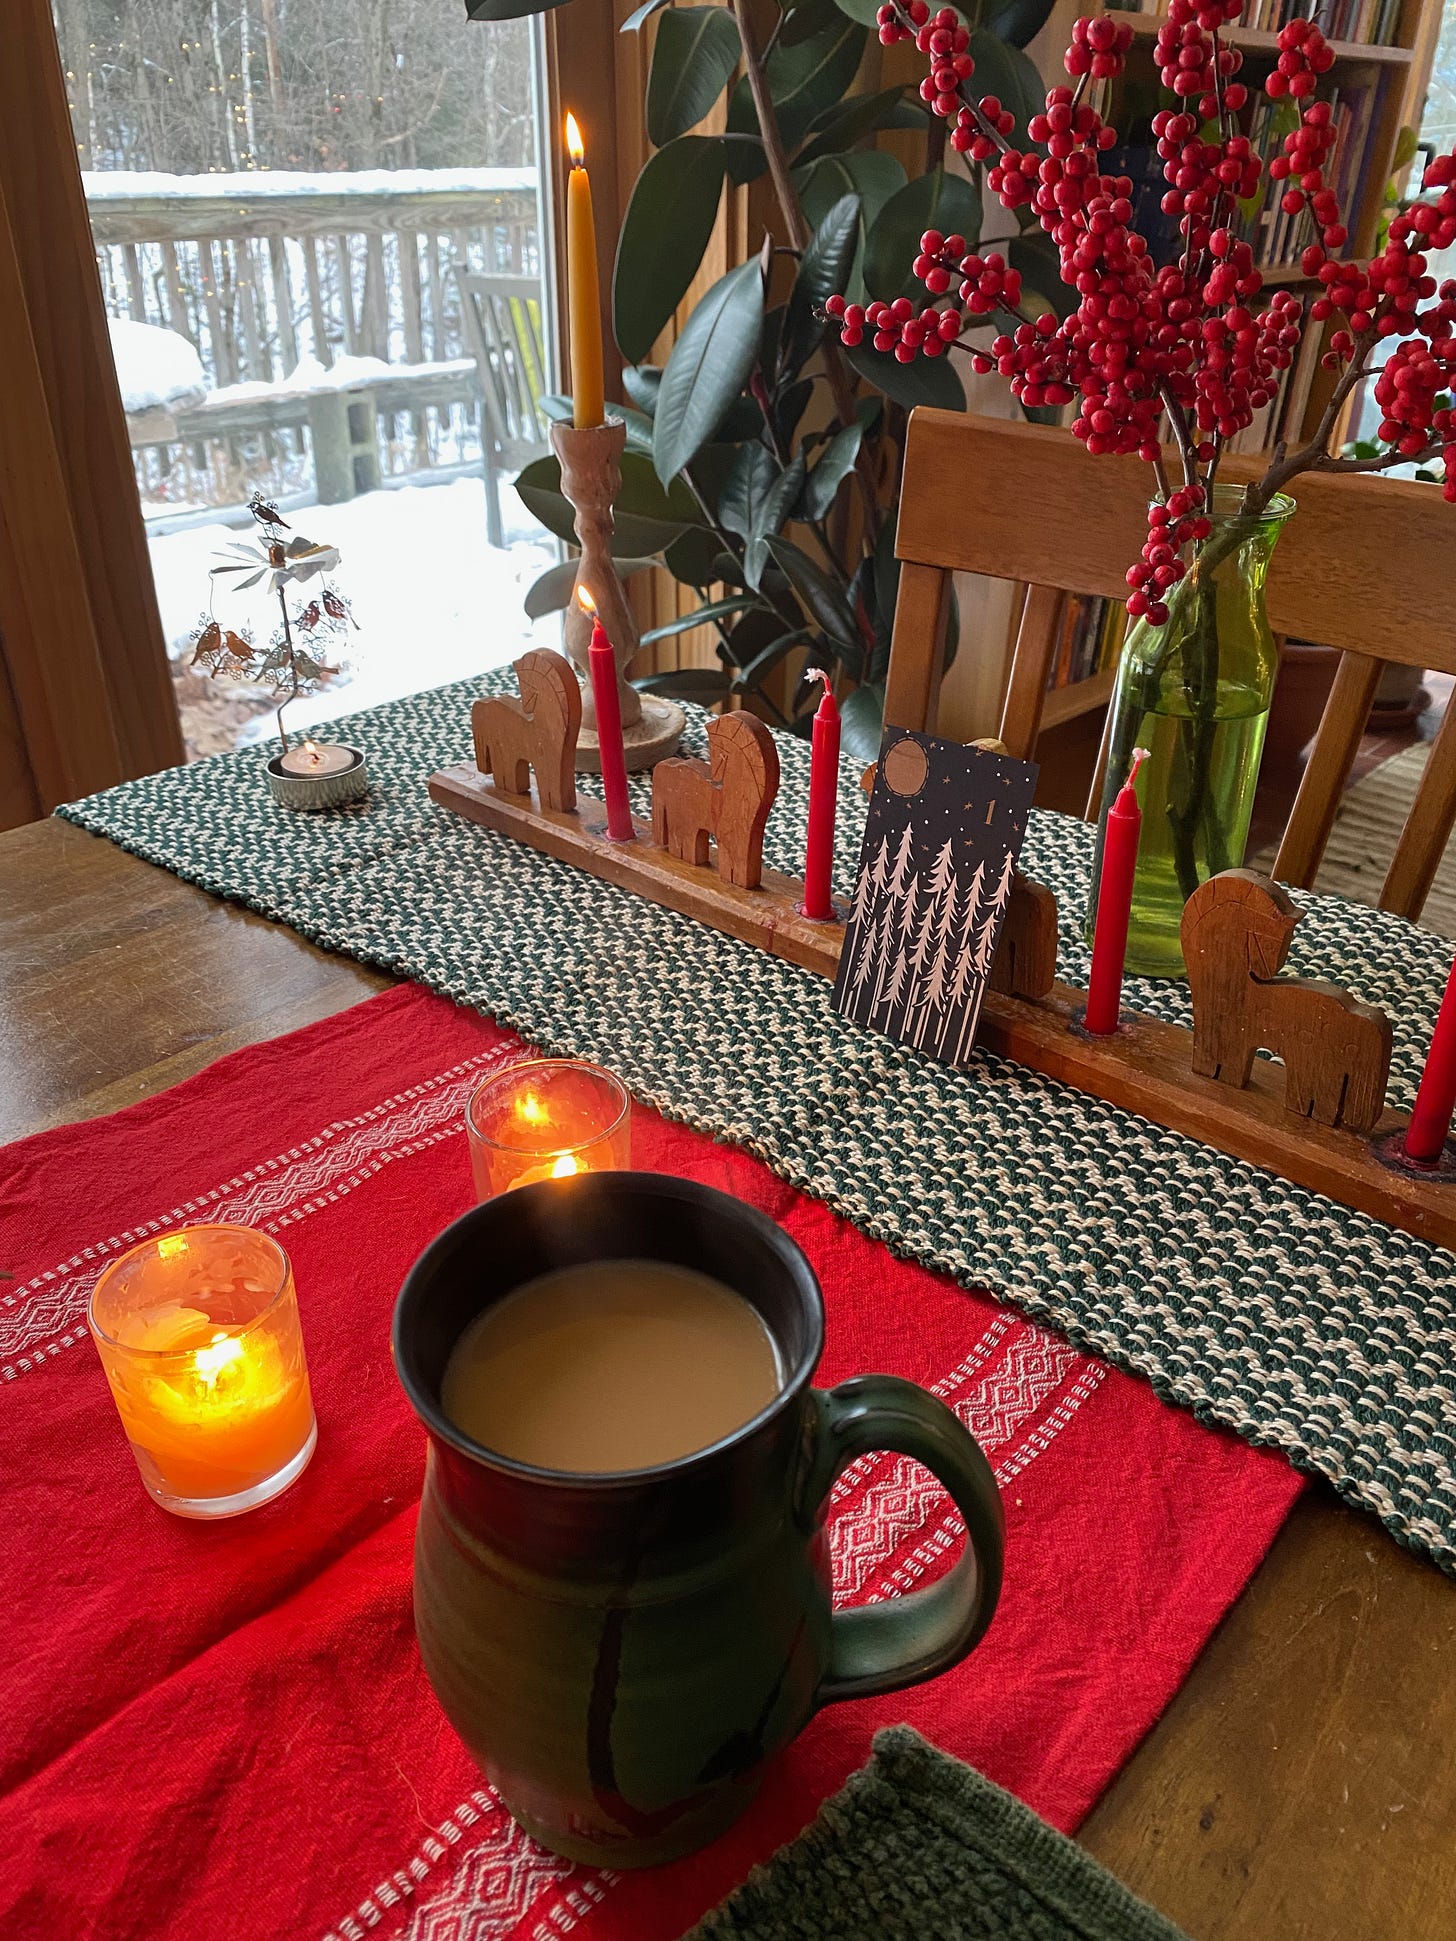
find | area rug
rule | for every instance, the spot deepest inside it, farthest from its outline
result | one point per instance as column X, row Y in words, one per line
column 223, row 1729
column 919, row 1845
column 1368, row 825
column 1300, row 1324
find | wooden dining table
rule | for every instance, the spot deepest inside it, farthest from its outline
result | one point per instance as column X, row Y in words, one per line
column 1303, row 1781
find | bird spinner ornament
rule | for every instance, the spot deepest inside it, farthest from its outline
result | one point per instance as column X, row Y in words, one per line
column 937, row 879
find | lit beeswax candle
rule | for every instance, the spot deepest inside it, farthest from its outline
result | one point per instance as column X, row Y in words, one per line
column 198, row 1333
column 583, row 293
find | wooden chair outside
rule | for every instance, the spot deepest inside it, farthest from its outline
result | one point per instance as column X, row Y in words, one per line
column 500, row 321
column 1367, row 566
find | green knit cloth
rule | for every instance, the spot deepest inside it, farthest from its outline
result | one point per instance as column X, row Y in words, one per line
column 918, row 1847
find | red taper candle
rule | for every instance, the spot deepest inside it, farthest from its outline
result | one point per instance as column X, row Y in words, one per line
column 1114, row 904
column 602, row 665
column 823, row 801
column 1425, row 1136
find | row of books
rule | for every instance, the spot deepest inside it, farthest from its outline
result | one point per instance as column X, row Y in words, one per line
column 1277, row 238
column 1088, row 641
column 1359, row 23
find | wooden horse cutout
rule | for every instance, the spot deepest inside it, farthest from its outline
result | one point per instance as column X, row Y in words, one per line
column 1025, row 964
column 539, row 731
column 726, row 798
column 1336, row 1050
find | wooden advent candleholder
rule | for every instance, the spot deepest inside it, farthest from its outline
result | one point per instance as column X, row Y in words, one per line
column 591, row 477
column 712, row 814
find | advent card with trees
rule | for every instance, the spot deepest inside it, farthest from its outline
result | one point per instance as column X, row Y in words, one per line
column 945, row 827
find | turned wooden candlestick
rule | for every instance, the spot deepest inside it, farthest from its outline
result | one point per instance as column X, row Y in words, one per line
column 591, row 477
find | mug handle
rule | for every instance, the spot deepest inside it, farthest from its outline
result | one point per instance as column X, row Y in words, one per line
column 904, row 1640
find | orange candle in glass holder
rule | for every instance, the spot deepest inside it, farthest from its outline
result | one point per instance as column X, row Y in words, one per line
column 198, row 1333
column 549, row 1118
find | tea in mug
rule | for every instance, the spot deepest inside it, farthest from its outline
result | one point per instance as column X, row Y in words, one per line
column 610, row 1365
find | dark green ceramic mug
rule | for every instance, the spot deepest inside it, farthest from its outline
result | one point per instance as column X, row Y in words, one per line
column 623, row 1653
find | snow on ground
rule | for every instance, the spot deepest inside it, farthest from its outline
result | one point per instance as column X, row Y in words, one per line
column 254, row 185
column 433, row 601
column 157, row 369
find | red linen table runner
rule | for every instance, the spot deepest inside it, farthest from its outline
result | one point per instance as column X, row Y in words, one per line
column 224, row 1729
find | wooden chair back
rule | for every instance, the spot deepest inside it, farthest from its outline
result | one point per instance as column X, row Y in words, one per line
column 1368, row 566
column 500, row 320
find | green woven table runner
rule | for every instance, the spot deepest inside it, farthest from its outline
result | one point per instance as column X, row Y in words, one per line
column 918, row 1847
column 1297, row 1323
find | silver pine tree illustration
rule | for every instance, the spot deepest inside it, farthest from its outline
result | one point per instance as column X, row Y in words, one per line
column 965, row 957
column 985, row 951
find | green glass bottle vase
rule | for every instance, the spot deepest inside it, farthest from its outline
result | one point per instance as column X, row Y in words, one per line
column 1195, row 693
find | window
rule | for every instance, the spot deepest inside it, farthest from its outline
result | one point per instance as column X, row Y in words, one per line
column 320, row 238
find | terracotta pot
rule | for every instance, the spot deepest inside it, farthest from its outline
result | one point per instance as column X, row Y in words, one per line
column 624, row 1653
column 1306, row 675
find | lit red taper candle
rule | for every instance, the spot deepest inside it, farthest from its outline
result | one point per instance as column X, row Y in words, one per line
column 602, row 666
column 1425, row 1136
column 823, row 801
column 1114, row 904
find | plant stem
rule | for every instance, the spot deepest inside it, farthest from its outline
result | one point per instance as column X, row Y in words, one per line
column 292, row 694
column 798, row 233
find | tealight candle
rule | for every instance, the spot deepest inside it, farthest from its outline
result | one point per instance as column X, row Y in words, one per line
column 318, row 758
column 549, row 1118
column 199, row 1336
column 317, row 775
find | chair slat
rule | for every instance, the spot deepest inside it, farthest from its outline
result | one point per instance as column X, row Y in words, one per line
column 1427, row 828
column 1335, row 743
column 1036, row 641
column 917, row 649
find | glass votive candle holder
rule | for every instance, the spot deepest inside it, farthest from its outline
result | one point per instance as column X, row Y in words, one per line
column 199, row 1335
column 547, row 1119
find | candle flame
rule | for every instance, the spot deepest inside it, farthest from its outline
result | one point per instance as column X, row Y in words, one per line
column 575, row 146
column 585, row 601
column 565, row 1167
column 220, row 1353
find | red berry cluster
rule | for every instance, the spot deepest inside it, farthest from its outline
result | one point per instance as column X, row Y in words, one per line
column 901, row 22
column 1099, row 48
column 945, row 40
column 1173, row 526
column 1304, row 55
column 1199, row 172
column 1241, row 354
column 977, row 129
column 1194, row 338
column 1192, row 64
column 1406, row 391
column 899, row 329
column 1034, row 358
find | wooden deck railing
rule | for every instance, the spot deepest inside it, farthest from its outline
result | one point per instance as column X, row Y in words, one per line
column 262, row 272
